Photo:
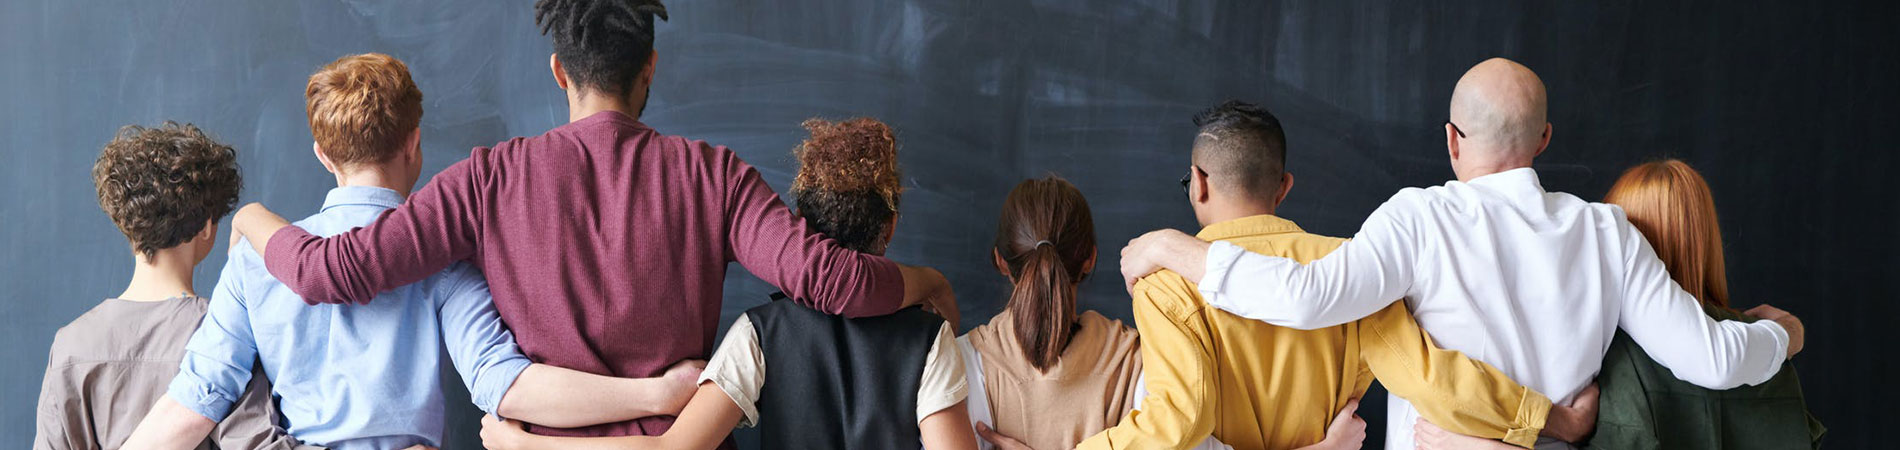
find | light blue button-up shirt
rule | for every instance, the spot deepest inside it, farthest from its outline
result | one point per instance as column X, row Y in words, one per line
column 349, row 376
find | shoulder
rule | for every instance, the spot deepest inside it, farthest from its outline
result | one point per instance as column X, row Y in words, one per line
column 1167, row 292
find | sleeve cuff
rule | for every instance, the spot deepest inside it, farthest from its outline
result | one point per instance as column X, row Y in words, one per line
column 1220, row 258
column 495, row 382
column 1782, row 341
column 200, row 398
column 1532, row 412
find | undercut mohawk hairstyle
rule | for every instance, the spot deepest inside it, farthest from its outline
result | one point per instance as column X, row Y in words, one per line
column 1244, row 143
column 603, row 44
column 847, row 184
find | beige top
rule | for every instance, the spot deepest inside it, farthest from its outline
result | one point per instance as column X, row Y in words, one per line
column 738, row 368
column 1089, row 389
column 109, row 366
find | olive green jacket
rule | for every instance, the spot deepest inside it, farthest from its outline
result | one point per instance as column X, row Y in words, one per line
column 1644, row 406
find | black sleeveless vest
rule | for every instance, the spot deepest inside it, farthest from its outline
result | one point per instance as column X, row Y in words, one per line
column 837, row 383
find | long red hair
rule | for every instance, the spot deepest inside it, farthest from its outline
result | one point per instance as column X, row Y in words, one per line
column 1670, row 203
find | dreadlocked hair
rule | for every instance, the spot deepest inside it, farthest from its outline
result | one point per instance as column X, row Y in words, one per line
column 603, row 44
column 847, row 185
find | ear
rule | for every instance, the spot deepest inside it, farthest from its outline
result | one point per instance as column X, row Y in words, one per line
column 1088, row 266
column 646, row 73
column 1286, row 185
column 1541, row 146
column 324, row 159
column 1002, row 267
column 1451, row 141
column 415, row 147
column 1197, row 185
column 560, row 73
column 890, row 229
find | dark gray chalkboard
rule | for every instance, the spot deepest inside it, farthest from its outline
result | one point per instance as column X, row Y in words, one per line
column 1787, row 108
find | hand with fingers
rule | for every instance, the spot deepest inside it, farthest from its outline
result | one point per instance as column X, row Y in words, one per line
column 1348, row 431
column 998, row 439
column 1797, row 334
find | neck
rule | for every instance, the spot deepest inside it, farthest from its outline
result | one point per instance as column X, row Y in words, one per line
column 382, row 176
column 165, row 275
column 1236, row 211
column 1473, row 173
column 582, row 104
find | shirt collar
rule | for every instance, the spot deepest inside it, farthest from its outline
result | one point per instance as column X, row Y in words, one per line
column 362, row 196
column 1522, row 178
column 1248, row 226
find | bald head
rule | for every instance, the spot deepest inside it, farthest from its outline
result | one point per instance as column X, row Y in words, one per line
column 1500, row 106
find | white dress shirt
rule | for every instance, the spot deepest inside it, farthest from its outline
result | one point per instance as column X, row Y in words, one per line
column 1533, row 282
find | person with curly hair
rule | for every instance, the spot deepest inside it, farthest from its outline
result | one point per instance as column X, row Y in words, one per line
column 605, row 242
column 340, row 371
column 887, row 381
column 165, row 188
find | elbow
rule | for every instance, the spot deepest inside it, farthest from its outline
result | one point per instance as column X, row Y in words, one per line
column 1719, row 378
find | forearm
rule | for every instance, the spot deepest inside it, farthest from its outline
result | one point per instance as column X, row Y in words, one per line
column 565, row 398
column 947, row 429
column 1462, row 394
column 169, row 425
column 257, row 224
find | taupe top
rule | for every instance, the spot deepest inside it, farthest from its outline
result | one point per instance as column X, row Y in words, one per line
column 109, row 366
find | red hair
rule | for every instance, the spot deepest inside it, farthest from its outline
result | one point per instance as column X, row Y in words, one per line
column 1670, row 203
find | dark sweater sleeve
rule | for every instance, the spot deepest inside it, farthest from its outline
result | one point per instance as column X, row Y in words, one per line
column 436, row 227
column 773, row 244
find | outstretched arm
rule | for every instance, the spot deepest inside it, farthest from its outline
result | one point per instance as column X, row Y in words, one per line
column 1670, row 326
column 1358, row 278
column 706, row 422
column 564, row 398
column 169, row 425
column 1463, row 394
column 1177, row 368
column 501, row 380
column 437, row 226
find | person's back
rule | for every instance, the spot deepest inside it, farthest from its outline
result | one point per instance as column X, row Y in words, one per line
column 165, row 188
column 834, row 382
column 315, row 353
column 1088, row 389
column 1644, row 405
column 1532, row 282
column 605, row 243
column 1041, row 371
column 1256, row 385
column 807, row 378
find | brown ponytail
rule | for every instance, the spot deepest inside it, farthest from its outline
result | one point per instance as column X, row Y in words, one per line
column 1045, row 237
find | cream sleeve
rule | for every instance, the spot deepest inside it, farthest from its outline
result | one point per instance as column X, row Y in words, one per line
column 738, row 368
column 944, row 383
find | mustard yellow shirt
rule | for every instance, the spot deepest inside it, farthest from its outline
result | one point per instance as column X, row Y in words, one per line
column 1259, row 386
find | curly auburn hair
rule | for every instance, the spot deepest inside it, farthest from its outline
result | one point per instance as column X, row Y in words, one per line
column 847, row 184
column 161, row 185
column 362, row 108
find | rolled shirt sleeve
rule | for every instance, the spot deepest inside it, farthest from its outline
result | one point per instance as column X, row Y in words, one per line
column 944, row 383
column 479, row 344
column 218, row 359
column 738, row 368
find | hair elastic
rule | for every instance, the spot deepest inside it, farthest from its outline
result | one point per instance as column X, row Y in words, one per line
column 1045, row 242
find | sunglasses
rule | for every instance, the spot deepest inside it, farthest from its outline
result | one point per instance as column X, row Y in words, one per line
column 1454, row 128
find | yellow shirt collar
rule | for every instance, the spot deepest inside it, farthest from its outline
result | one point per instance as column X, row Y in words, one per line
column 1248, row 226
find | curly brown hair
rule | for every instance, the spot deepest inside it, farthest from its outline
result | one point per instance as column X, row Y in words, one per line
column 847, row 185
column 161, row 185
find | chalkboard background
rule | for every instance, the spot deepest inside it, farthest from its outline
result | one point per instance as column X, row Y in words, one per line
column 1785, row 107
